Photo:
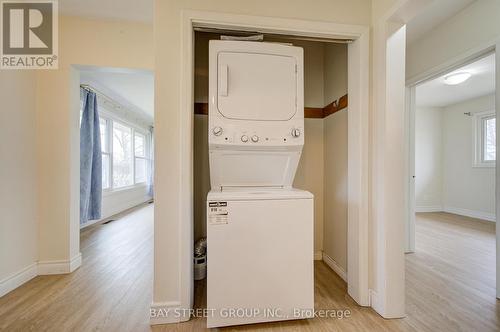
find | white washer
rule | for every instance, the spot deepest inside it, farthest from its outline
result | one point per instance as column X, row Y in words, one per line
column 259, row 229
column 260, row 256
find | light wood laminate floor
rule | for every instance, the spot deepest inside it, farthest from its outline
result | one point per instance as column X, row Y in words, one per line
column 450, row 285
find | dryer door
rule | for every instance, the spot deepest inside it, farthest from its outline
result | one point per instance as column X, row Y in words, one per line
column 255, row 86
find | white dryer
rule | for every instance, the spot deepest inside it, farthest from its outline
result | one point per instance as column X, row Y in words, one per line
column 259, row 229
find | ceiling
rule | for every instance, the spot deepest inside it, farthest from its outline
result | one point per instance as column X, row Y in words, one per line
column 436, row 93
column 433, row 15
column 128, row 10
column 131, row 88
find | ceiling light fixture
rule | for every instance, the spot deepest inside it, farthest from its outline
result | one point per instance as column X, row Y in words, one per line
column 457, row 78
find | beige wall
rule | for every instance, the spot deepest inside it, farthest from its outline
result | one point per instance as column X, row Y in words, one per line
column 81, row 42
column 310, row 174
column 335, row 182
column 18, row 195
column 201, row 174
column 335, row 162
column 335, row 68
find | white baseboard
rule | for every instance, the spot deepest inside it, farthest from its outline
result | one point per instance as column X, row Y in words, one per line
column 335, row 266
column 470, row 213
column 90, row 223
column 17, row 279
column 59, row 267
column 431, row 208
column 318, row 255
column 167, row 313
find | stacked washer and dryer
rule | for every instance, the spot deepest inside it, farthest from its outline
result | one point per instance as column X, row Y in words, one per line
column 259, row 228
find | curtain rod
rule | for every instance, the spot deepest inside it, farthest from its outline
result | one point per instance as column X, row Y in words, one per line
column 92, row 89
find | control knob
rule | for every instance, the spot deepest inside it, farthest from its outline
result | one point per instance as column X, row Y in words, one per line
column 295, row 132
column 244, row 138
column 217, row 131
column 255, row 138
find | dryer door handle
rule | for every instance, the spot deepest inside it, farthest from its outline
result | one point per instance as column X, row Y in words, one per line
column 223, row 80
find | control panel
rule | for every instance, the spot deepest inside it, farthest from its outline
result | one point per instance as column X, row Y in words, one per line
column 236, row 135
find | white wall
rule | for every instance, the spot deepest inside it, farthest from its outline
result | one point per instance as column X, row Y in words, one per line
column 121, row 200
column 18, row 192
column 428, row 159
column 466, row 189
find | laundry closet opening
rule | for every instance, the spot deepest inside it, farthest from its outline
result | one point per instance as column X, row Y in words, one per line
column 322, row 168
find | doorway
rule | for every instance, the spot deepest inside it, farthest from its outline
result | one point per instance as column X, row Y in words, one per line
column 117, row 114
column 452, row 193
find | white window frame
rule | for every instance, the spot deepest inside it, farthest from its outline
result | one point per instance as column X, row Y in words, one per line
column 146, row 155
column 479, row 120
column 109, row 152
column 111, row 118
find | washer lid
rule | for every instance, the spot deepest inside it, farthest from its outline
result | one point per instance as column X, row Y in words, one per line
column 256, row 86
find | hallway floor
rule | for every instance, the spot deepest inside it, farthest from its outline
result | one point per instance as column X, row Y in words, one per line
column 112, row 289
column 450, row 279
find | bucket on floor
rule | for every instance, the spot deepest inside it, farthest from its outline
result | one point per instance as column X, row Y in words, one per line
column 200, row 267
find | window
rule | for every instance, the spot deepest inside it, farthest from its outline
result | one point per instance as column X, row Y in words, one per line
column 123, row 167
column 106, row 152
column 490, row 145
column 125, row 151
column 140, row 158
column 485, row 145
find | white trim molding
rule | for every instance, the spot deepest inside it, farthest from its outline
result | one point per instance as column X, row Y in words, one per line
column 167, row 313
column 460, row 211
column 430, row 208
column 375, row 301
column 470, row 213
column 479, row 139
column 60, row 266
column 335, row 266
column 17, row 279
column 36, row 269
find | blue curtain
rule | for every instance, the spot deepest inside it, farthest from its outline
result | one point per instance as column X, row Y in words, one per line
column 90, row 159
